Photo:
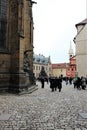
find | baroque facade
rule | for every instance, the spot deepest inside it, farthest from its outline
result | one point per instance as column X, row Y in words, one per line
column 71, row 68
column 59, row 69
column 16, row 45
column 81, row 48
column 66, row 69
column 40, row 61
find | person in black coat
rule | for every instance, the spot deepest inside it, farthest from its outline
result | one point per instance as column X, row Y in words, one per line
column 42, row 82
column 52, row 83
column 59, row 81
column 78, row 83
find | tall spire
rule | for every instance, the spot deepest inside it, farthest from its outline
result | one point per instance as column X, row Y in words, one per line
column 71, row 51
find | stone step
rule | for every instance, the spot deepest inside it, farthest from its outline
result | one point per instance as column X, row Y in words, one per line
column 29, row 90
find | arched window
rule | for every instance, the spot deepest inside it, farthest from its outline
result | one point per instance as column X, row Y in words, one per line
column 2, row 24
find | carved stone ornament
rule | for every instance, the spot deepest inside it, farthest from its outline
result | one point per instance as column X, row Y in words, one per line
column 26, row 62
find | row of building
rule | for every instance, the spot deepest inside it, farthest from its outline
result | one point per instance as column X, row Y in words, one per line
column 77, row 65
column 55, row 69
column 17, row 62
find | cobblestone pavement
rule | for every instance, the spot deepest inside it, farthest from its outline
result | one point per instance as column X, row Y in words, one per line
column 45, row 110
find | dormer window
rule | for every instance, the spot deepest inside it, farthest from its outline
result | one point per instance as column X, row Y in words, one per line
column 38, row 60
column 43, row 61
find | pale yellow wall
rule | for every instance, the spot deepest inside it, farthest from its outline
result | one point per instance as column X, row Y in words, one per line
column 57, row 72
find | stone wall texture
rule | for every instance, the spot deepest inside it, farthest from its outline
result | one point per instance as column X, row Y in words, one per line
column 19, row 41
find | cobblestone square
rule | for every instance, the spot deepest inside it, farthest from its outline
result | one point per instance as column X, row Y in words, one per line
column 44, row 110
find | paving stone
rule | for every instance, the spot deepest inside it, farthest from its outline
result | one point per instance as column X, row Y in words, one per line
column 59, row 129
column 84, row 129
column 83, row 115
column 77, row 128
column 68, row 128
column 45, row 110
column 5, row 116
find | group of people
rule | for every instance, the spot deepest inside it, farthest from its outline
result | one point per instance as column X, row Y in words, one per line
column 80, row 83
column 56, row 82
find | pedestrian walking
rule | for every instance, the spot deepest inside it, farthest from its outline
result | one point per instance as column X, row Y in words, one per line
column 59, row 81
column 83, row 83
column 78, row 83
column 75, row 82
column 42, row 82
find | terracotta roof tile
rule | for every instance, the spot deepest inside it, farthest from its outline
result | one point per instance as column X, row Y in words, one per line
column 59, row 65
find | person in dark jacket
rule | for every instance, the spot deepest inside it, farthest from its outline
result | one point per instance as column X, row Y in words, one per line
column 78, row 83
column 52, row 83
column 42, row 82
column 59, row 81
column 83, row 83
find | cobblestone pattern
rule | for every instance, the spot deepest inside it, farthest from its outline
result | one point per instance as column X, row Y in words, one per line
column 44, row 110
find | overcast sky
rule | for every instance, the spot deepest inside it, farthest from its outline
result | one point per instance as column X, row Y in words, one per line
column 54, row 27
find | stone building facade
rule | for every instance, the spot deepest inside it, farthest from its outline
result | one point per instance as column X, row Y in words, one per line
column 66, row 69
column 59, row 69
column 71, row 68
column 16, row 45
column 40, row 61
column 81, row 48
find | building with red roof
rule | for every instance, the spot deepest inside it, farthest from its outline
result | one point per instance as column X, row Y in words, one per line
column 59, row 69
column 66, row 69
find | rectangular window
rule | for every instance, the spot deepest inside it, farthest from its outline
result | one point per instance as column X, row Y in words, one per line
column 2, row 24
column 3, row 8
column 36, row 67
column 2, row 33
column 50, row 69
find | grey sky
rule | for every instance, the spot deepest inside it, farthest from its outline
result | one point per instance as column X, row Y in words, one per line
column 54, row 27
